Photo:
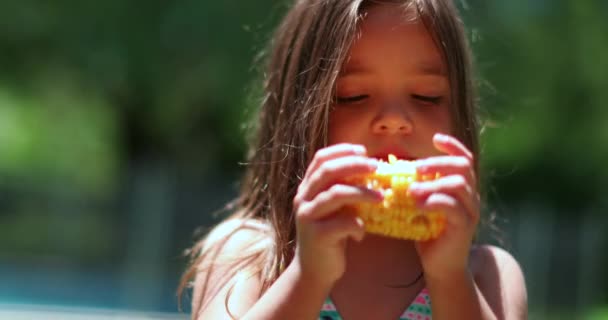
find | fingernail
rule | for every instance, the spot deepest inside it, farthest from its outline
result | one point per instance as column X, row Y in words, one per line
column 360, row 221
column 358, row 149
column 372, row 164
column 442, row 137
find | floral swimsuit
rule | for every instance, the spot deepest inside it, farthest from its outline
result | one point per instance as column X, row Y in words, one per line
column 420, row 309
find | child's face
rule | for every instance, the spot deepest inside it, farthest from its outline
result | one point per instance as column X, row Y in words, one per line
column 393, row 91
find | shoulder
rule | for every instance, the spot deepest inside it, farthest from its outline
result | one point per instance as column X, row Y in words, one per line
column 231, row 258
column 500, row 279
column 487, row 260
column 234, row 235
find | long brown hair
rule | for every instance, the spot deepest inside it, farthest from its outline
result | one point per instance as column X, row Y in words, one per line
column 302, row 65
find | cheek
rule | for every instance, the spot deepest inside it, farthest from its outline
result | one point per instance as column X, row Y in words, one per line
column 335, row 129
column 445, row 121
column 343, row 127
column 435, row 120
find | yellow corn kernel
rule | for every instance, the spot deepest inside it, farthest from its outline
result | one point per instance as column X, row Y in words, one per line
column 397, row 216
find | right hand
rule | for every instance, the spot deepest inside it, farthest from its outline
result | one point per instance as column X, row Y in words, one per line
column 324, row 219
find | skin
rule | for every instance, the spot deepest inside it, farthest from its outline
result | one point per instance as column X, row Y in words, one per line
column 392, row 98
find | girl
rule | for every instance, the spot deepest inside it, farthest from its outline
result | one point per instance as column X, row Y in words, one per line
column 349, row 82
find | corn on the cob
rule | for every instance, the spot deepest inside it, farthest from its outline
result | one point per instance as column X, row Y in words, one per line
column 397, row 216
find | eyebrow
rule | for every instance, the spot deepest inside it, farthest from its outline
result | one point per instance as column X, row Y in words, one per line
column 427, row 68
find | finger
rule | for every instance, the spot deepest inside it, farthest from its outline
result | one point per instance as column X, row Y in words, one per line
column 340, row 226
column 332, row 152
column 334, row 198
column 455, row 186
column 451, row 206
column 447, row 165
column 451, row 146
column 336, row 171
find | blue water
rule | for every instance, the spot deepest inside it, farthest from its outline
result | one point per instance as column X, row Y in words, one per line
column 76, row 287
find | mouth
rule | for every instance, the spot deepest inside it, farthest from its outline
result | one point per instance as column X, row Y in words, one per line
column 399, row 155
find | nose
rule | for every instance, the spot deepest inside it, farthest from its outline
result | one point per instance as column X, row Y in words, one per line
column 392, row 122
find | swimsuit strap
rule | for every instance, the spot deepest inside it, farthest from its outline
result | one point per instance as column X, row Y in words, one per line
column 420, row 309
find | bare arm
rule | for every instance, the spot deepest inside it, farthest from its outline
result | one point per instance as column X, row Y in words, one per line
column 323, row 226
column 458, row 292
column 465, row 282
column 294, row 295
column 495, row 290
column 501, row 281
column 290, row 297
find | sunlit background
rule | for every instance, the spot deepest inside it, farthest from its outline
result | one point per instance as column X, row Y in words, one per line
column 121, row 133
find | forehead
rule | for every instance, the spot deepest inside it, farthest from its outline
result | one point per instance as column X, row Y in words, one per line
column 393, row 35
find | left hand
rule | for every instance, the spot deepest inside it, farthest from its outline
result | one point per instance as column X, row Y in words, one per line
column 454, row 193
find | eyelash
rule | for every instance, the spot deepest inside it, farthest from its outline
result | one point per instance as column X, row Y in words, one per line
column 434, row 100
column 351, row 99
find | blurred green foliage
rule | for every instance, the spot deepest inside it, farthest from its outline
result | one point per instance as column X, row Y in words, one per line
column 92, row 91
column 544, row 84
column 170, row 80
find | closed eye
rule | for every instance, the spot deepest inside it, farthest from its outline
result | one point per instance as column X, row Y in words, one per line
column 352, row 99
column 435, row 100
